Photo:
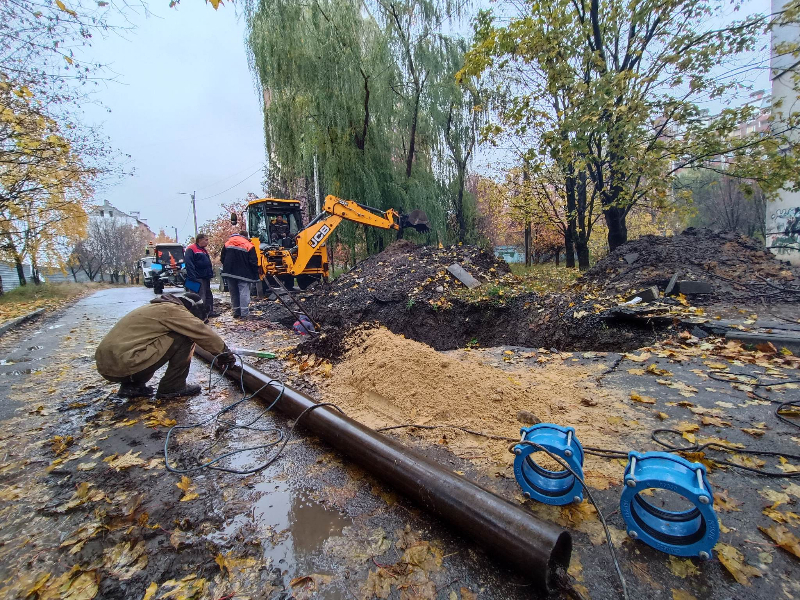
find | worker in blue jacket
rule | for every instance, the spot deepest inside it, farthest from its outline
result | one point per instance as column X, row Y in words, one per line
column 199, row 272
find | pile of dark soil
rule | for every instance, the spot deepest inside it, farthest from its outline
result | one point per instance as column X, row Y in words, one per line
column 402, row 274
column 737, row 267
column 406, row 271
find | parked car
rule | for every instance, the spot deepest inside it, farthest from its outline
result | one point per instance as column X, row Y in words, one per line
column 144, row 271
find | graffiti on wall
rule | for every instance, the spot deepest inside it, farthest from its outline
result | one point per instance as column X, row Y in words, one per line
column 783, row 234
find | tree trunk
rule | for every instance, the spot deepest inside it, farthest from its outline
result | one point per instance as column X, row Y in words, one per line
column 582, row 231
column 569, row 234
column 20, row 271
column 462, row 220
column 527, row 243
column 2, row 291
column 558, row 256
column 412, row 142
column 582, row 245
column 617, row 229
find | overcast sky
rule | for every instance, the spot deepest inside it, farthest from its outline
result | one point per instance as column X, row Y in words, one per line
column 184, row 106
column 185, row 109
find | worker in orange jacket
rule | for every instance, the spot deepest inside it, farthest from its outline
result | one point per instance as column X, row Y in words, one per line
column 240, row 269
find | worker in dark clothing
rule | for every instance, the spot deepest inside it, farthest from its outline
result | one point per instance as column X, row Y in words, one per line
column 199, row 272
column 240, row 268
column 280, row 229
column 160, row 333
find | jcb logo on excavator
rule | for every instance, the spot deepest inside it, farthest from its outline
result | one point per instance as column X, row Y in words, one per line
column 319, row 236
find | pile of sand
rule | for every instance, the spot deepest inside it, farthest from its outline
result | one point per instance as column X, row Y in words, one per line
column 386, row 380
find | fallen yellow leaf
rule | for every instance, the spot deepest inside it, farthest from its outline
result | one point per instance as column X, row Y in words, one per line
column 682, row 567
column 784, row 538
column 733, row 561
column 643, row 399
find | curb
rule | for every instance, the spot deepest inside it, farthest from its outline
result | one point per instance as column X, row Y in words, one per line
column 791, row 342
column 14, row 323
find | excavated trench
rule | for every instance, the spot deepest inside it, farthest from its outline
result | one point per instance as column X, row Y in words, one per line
column 515, row 323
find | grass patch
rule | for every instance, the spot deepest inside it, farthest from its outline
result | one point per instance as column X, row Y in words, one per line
column 541, row 278
column 27, row 298
column 546, row 277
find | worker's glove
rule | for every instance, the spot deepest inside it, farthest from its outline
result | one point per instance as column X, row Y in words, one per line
column 226, row 359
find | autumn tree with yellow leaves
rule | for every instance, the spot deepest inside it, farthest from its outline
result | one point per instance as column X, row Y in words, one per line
column 44, row 181
column 49, row 161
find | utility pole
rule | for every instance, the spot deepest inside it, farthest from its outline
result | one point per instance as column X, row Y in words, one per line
column 176, row 233
column 317, row 205
column 194, row 210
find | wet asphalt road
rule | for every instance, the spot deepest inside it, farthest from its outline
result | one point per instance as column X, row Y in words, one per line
column 321, row 504
column 26, row 350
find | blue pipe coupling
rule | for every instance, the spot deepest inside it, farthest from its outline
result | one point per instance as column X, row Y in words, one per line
column 549, row 487
column 674, row 528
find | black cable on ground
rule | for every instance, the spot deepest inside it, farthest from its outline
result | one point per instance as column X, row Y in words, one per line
column 756, row 381
column 563, row 463
column 282, row 437
column 464, row 429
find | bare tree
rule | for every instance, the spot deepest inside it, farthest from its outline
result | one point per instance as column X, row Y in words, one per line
column 111, row 248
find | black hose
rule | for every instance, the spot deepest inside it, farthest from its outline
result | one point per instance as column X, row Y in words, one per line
column 282, row 437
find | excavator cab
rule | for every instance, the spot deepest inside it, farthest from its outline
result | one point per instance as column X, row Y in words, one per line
column 274, row 222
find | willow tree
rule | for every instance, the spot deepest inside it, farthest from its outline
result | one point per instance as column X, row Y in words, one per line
column 349, row 102
column 630, row 79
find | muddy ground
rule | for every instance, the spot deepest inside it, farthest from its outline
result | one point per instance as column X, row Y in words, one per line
column 89, row 510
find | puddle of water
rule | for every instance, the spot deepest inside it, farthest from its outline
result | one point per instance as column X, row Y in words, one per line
column 18, row 372
column 292, row 528
column 307, row 524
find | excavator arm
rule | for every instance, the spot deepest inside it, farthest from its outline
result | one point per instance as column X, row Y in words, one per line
column 334, row 211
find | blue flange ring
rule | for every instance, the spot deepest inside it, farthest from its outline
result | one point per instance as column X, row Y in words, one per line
column 550, row 487
column 692, row 532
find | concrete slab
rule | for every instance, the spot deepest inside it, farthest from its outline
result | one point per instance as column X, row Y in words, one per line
column 457, row 271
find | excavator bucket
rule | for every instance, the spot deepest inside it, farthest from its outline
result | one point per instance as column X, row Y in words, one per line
column 416, row 219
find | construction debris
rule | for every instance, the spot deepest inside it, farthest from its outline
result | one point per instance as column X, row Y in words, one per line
column 647, row 295
column 694, row 287
column 457, row 271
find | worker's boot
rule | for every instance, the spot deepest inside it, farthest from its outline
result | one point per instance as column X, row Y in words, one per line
column 189, row 390
column 134, row 390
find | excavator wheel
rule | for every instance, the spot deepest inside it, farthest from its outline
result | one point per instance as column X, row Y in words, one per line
column 287, row 281
column 305, row 281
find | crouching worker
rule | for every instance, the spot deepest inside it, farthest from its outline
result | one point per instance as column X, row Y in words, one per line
column 160, row 333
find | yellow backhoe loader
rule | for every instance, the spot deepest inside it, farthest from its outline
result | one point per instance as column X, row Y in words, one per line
column 287, row 250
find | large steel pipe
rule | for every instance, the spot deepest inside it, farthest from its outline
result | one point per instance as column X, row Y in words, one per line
column 540, row 550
